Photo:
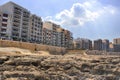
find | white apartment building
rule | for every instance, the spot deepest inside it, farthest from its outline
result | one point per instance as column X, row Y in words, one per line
column 18, row 22
column 4, row 28
column 35, row 30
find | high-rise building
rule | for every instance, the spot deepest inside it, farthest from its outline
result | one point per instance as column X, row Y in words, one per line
column 4, row 26
column 52, row 27
column 57, row 35
column 18, row 22
column 111, row 47
column 98, row 44
column 105, row 45
column 68, row 39
column 35, row 29
column 82, row 43
column 47, row 36
column 116, row 43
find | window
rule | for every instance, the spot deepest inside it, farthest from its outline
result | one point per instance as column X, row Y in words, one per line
column 4, row 30
column 5, row 20
column 5, row 25
column 5, row 15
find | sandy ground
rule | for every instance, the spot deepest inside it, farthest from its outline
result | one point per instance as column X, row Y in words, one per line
column 19, row 51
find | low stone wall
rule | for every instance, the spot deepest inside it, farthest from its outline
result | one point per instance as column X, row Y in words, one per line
column 96, row 52
column 33, row 46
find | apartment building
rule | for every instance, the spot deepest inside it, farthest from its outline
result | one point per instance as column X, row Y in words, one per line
column 4, row 28
column 68, row 39
column 98, row 44
column 47, row 36
column 58, row 36
column 18, row 22
column 111, row 47
column 82, row 43
column 51, row 28
column 116, row 43
column 35, row 29
column 63, row 38
column 105, row 45
column 47, row 33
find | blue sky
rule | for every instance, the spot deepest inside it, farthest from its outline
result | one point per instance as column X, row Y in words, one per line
column 90, row 19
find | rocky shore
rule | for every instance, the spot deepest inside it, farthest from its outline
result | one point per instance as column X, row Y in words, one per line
column 57, row 67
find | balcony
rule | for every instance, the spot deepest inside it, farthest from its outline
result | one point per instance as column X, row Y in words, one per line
column 24, row 27
column 16, row 24
column 3, row 32
column 15, row 28
column 16, row 12
column 16, row 20
column 17, row 17
column 3, row 28
column 15, row 35
column 5, row 17
column 15, row 31
column 4, row 20
column 24, row 37
column 25, row 16
column 25, row 24
column 17, row 9
column 4, row 24
column 25, row 19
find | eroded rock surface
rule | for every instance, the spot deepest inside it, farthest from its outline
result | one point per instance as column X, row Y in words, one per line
column 67, row 67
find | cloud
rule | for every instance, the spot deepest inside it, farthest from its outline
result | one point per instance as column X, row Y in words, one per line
column 81, row 13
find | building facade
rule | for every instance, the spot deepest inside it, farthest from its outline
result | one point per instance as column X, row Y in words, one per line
column 18, row 22
column 82, row 43
column 105, row 45
column 111, row 47
column 116, row 43
column 35, row 29
column 4, row 26
column 56, row 35
column 47, row 36
column 98, row 44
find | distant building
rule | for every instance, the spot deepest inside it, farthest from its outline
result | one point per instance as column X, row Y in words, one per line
column 98, row 44
column 17, row 23
column 116, row 48
column 81, row 43
column 111, row 47
column 116, row 43
column 105, row 45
